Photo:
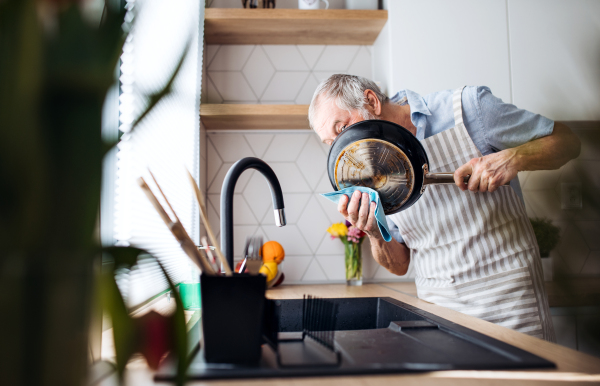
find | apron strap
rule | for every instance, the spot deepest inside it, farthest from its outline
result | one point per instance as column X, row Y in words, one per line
column 457, row 107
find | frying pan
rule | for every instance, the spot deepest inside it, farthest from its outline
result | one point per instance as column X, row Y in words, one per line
column 386, row 157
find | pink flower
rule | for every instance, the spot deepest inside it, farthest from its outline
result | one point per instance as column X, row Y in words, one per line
column 355, row 234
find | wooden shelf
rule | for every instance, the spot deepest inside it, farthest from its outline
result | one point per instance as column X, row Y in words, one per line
column 292, row 26
column 286, row 117
column 254, row 117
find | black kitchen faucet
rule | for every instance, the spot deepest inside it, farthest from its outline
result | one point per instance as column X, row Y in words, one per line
column 227, row 200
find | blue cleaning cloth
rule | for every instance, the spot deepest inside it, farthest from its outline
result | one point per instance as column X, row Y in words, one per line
column 374, row 196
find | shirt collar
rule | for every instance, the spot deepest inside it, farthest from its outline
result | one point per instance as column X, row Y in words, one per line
column 418, row 109
column 415, row 101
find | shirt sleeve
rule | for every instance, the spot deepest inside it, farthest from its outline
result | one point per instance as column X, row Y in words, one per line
column 394, row 231
column 506, row 126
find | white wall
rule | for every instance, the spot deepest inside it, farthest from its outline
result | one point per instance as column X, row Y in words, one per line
column 438, row 44
column 382, row 60
column 555, row 57
column 542, row 55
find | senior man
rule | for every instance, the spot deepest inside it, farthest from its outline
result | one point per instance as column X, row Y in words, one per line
column 472, row 247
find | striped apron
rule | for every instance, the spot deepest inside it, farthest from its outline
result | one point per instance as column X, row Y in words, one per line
column 475, row 253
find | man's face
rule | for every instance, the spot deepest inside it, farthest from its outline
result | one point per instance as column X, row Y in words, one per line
column 331, row 120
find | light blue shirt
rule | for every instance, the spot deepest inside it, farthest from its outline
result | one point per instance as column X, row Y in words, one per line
column 492, row 124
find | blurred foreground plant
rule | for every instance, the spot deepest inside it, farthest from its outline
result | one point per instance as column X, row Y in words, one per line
column 152, row 335
column 55, row 70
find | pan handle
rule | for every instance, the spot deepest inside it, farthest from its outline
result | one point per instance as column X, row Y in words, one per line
column 443, row 178
column 440, row 178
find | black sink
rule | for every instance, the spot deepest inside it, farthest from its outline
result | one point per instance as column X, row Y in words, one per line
column 373, row 336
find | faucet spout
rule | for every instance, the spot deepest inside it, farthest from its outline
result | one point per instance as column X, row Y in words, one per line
column 227, row 199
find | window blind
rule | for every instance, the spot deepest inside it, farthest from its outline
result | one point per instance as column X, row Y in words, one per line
column 166, row 141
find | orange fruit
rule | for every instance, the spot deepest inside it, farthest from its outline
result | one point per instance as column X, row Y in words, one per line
column 272, row 251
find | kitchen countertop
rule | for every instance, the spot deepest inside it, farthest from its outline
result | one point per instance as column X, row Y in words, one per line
column 572, row 366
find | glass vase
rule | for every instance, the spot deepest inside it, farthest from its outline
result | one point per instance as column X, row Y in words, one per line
column 353, row 264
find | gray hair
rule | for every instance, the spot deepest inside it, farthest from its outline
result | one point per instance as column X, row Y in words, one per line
column 348, row 91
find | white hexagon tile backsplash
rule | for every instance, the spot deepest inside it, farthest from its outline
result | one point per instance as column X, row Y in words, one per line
column 298, row 159
column 277, row 74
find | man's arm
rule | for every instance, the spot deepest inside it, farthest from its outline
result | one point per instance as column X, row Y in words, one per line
column 494, row 170
column 393, row 256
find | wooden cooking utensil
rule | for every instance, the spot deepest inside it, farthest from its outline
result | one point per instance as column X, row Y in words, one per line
column 204, row 217
column 207, row 248
column 177, row 229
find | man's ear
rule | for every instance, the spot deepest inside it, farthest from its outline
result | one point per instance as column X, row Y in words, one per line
column 373, row 103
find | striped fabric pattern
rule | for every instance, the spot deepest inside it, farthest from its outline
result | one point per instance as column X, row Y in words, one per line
column 507, row 299
column 475, row 252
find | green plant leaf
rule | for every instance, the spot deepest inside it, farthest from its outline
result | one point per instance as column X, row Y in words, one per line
column 23, row 166
column 124, row 256
column 124, row 333
column 183, row 361
column 112, row 36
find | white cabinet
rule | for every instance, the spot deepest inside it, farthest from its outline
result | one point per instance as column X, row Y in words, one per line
column 437, row 44
column 541, row 55
column 555, row 56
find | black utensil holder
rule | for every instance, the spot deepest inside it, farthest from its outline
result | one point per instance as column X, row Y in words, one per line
column 232, row 318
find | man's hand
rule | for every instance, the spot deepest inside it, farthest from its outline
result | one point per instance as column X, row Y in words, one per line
column 360, row 212
column 488, row 172
column 546, row 153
